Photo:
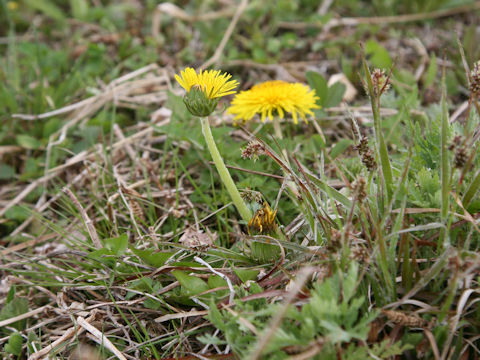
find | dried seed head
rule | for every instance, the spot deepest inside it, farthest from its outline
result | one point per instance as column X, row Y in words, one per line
column 456, row 141
column 475, row 79
column 380, row 81
column 403, row 319
column 366, row 154
column 461, row 153
column 362, row 146
column 197, row 240
column 250, row 196
column 359, row 254
column 369, row 161
column 135, row 206
column 359, row 189
column 335, row 240
column 253, row 150
column 461, row 157
column 375, row 327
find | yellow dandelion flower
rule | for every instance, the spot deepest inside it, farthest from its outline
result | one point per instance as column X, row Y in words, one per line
column 275, row 97
column 211, row 82
column 12, row 5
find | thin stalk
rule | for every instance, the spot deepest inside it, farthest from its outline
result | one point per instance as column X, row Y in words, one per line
column 472, row 190
column 382, row 245
column 277, row 129
column 380, row 142
column 223, row 172
column 444, row 164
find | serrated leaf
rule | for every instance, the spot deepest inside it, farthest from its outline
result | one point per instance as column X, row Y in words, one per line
column 48, row 8
column 335, row 94
column 117, row 245
column 79, row 9
column 11, row 294
column 104, row 256
column 7, row 172
column 318, row 83
column 431, row 72
column 349, row 282
column 246, row 274
column 215, row 316
column 379, row 56
column 153, row 304
column 210, row 339
column 151, row 257
column 192, row 285
column 32, row 341
column 18, row 213
column 216, row 281
column 28, row 142
column 14, row 344
column 17, row 306
column 340, row 147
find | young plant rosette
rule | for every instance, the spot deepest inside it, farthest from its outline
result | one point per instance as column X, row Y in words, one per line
column 204, row 89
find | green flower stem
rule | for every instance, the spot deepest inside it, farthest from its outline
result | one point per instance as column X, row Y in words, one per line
column 223, row 171
column 277, row 129
column 445, row 176
column 380, row 141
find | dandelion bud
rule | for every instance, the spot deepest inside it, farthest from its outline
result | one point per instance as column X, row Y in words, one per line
column 198, row 103
column 204, row 89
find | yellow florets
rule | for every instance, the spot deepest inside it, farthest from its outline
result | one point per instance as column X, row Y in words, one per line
column 211, row 82
column 204, row 89
column 263, row 221
column 275, row 97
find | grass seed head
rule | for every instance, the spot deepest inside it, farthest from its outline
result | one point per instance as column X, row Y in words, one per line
column 475, row 79
column 461, row 153
column 251, row 196
column 253, row 150
column 366, row 154
column 380, row 81
column 359, row 189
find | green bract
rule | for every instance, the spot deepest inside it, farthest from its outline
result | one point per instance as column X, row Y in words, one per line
column 198, row 103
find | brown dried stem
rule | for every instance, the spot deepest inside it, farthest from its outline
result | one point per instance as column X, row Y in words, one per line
column 86, row 219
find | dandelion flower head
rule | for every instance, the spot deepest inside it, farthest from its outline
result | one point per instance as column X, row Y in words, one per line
column 211, row 82
column 275, row 97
